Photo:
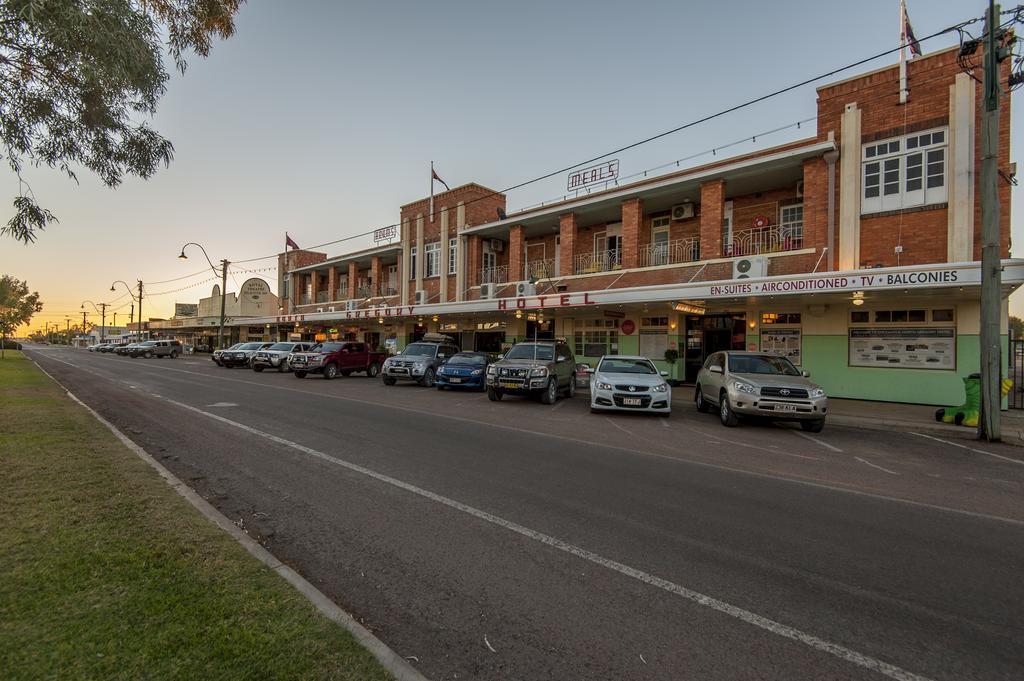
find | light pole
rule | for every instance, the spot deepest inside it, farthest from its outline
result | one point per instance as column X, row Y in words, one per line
column 102, row 309
column 223, row 274
column 135, row 298
column 67, row 332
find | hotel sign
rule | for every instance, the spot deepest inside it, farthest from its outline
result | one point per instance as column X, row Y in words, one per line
column 602, row 172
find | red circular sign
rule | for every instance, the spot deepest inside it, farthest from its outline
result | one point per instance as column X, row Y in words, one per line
column 627, row 327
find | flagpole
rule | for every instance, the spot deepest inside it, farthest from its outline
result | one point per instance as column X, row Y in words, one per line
column 431, row 191
column 903, row 52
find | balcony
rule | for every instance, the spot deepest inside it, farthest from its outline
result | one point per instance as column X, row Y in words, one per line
column 387, row 291
column 598, row 261
column 305, row 299
column 497, row 274
column 323, row 296
column 770, row 239
column 540, row 269
column 670, row 252
column 364, row 292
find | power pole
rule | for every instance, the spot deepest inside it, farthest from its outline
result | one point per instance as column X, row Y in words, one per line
column 67, row 332
column 223, row 295
column 140, row 309
column 103, row 321
column 991, row 272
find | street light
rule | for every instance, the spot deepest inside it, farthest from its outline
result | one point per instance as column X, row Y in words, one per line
column 223, row 274
column 134, row 297
column 102, row 309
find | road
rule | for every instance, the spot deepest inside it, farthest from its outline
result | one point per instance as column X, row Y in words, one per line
column 514, row 540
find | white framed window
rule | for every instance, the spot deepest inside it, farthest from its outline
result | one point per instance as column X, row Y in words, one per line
column 653, row 337
column 659, row 240
column 595, row 337
column 412, row 262
column 433, row 261
column 453, row 260
column 904, row 171
column 791, row 222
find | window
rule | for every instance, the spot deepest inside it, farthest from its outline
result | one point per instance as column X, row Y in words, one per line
column 659, row 240
column 412, row 263
column 791, row 222
column 942, row 315
column 596, row 337
column 653, row 337
column 433, row 261
column 904, row 172
column 453, row 260
column 769, row 318
column 896, row 316
column 860, row 317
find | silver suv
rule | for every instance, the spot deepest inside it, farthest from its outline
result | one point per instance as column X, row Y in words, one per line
column 419, row 361
column 545, row 368
column 276, row 356
column 759, row 384
column 157, row 348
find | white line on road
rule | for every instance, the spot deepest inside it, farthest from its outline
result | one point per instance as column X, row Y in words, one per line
column 876, row 466
column 558, row 405
column 746, row 616
column 970, row 449
column 664, row 422
column 817, row 441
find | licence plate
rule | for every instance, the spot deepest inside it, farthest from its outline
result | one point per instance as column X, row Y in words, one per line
column 632, row 401
column 398, row 370
column 785, row 407
column 455, row 380
column 511, row 386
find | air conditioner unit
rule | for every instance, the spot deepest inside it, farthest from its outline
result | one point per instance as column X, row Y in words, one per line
column 351, row 305
column 800, row 189
column 497, row 245
column 682, row 211
column 319, row 309
column 753, row 266
column 525, row 288
column 421, row 297
column 487, row 291
column 330, row 309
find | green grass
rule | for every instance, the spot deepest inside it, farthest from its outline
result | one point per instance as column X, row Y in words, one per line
column 106, row 573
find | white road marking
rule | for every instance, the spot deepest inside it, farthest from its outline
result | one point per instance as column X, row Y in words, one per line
column 876, row 466
column 971, row 449
column 223, row 404
column 602, row 445
column 746, row 616
column 817, row 441
column 664, row 422
column 771, row 449
column 558, row 405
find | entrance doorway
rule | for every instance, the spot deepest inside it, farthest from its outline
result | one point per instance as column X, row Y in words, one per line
column 540, row 330
column 711, row 333
column 488, row 341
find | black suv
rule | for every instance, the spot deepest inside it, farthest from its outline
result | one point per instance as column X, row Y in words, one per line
column 544, row 368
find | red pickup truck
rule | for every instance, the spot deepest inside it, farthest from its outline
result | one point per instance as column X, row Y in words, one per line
column 336, row 357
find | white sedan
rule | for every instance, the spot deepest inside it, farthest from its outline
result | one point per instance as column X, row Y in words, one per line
column 629, row 383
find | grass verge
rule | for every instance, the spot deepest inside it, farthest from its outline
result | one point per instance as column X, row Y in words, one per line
column 107, row 573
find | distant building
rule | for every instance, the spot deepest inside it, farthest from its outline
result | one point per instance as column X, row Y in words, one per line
column 254, row 299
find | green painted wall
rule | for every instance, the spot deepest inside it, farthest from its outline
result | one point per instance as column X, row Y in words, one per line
column 826, row 358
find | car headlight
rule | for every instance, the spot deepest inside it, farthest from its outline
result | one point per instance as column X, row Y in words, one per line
column 660, row 388
column 817, row 392
column 744, row 387
column 604, row 386
column 539, row 371
column 477, row 372
column 420, row 366
column 491, row 370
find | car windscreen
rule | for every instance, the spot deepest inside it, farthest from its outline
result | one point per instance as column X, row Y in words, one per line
column 281, row 346
column 326, row 347
column 541, row 352
column 615, row 365
column 762, row 364
column 420, row 350
column 147, row 344
column 472, row 360
column 250, row 346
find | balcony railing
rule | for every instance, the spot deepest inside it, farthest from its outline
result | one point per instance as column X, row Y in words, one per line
column 322, row 296
column 770, row 239
column 540, row 269
column 305, row 299
column 388, row 291
column 670, row 252
column 599, row 261
column 494, row 275
column 364, row 292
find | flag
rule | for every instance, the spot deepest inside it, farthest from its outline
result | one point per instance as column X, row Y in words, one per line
column 435, row 176
column 288, row 241
column 908, row 34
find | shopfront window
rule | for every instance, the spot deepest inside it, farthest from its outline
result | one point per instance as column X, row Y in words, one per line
column 596, row 337
column 653, row 337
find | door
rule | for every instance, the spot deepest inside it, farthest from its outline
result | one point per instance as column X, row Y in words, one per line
column 392, row 286
column 558, row 256
column 712, row 382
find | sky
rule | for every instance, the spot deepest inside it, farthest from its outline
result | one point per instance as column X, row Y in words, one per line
column 322, row 118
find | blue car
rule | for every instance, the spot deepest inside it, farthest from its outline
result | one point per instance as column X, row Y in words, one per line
column 464, row 370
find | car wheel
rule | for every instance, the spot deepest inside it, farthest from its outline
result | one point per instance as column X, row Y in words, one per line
column 698, row 399
column 330, row 371
column 388, row 380
column 570, row 392
column 373, row 370
column 174, row 355
column 257, row 369
column 148, row 355
column 494, row 395
column 300, row 374
column 812, row 426
column 725, row 413
column 551, row 393
column 428, row 378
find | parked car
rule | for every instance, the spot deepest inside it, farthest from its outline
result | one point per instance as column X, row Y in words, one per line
column 276, row 356
column 157, row 348
column 759, row 384
column 107, row 347
column 336, row 357
column 419, row 361
column 464, row 370
column 629, row 383
column 241, row 356
column 127, row 348
column 216, row 355
column 544, row 368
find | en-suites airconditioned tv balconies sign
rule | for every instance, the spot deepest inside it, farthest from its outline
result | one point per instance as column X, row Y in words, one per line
column 903, row 348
